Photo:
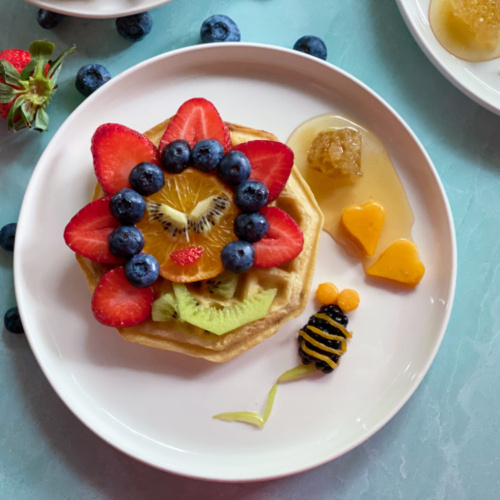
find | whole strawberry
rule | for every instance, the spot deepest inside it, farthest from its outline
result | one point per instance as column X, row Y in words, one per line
column 28, row 83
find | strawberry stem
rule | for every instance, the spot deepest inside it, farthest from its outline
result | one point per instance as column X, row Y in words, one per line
column 31, row 90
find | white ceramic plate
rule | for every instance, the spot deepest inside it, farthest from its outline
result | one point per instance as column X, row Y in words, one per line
column 479, row 81
column 98, row 9
column 157, row 406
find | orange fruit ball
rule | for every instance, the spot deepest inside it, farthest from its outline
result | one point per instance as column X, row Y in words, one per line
column 348, row 300
column 327, row 293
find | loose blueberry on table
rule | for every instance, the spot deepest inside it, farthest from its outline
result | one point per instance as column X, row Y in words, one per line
column 49, row 20
column 90, row 77
column 219, row 28
column 12, row 321
column 311, row 45
column 135, row 27
column 8, row 236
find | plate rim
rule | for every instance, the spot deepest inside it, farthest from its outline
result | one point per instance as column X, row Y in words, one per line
column 439, row 64
column 49, row 5
column 444, row 320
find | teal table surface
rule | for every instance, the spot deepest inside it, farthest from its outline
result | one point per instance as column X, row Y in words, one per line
column 444, row 443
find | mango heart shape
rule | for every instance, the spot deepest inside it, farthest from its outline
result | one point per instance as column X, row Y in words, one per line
column 364, row 223
column 399, row 262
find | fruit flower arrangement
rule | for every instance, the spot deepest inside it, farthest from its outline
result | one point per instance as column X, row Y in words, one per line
column 201, row 237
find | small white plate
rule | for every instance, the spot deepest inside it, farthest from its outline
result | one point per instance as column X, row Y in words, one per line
column 157, row 406
column 98, row 9
column 478, row 80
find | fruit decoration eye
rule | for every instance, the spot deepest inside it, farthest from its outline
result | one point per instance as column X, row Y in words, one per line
column 127, row 206
column 237, row 256
column 142, row 270
column 251, row 227
column 206, row 154
column 176, row 156
column 125, row 242
column 251, row 196
column 234, row 168
column 146, row 178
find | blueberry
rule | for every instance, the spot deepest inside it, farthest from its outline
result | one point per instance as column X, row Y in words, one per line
column 175, row 156
column 311, row 45
column 146, row 178
column 12, row 321
column 251, row 196
column 127, row 206
column 142, row 270
column 8, row 236
column 49, row 20
column 234, row 168
column 125, row 242
column 206, row 154
column 134, row 28
column 219, row 28
column 90, row 77
column 237, row 256
column 251, row 227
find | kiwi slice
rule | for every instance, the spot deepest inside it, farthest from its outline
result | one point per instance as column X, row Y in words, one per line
column 208, row 213
column 172, row 220
column 203, row 217
column 223, row 286
column 165, row 308
column 225, row 319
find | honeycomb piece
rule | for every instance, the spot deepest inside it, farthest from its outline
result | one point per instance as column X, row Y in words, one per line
column 482, row 17
column 336, row 153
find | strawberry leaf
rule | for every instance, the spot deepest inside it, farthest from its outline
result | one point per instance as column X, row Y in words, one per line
column 7, row 93
column 28, row 111
column 40, row 52
column 9, row 73
column 28, row 70
column 15, row 110
column 55, row 66
column 42, row 120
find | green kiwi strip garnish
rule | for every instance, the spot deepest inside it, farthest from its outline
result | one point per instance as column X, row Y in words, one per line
column 257, row 419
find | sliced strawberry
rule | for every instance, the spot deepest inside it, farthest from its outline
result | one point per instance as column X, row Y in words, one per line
column 116, row 150
column 117, row 303
column 195, row 120
column 271, row 164
column 283, row 241
column 187, row 256
column 88, row 231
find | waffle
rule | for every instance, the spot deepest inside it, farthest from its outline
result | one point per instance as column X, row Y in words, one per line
column 292, row 279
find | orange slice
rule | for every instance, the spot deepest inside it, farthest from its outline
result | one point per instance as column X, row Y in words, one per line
column 192, row 210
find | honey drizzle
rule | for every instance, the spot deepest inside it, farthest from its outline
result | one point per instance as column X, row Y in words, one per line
column 379, row 182
column 456, row 37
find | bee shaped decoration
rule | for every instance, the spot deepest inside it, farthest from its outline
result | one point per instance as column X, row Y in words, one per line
column 324, row 339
